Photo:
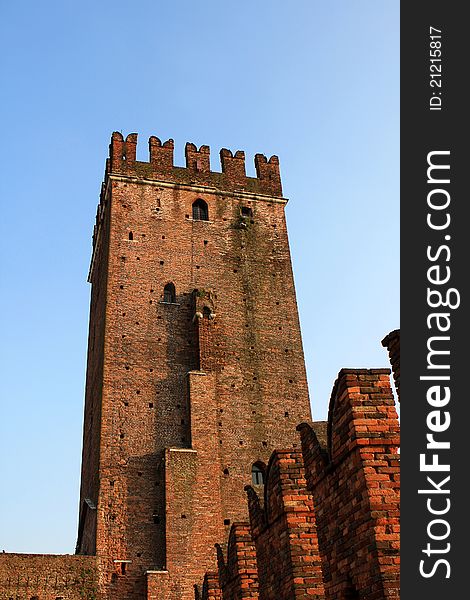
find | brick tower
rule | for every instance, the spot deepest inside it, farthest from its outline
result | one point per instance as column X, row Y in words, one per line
column 195, row 365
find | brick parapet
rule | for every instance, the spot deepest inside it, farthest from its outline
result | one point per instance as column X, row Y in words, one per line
column 284, row 532
column 48, row 577
column 238, row 575
column 355, row 482
column 122, row 160
column 210, row 587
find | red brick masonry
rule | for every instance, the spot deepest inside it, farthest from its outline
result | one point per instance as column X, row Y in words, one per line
column 328, row 525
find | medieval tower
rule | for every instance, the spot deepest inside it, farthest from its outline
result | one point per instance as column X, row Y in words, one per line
column 195, row 367
column 203, row 477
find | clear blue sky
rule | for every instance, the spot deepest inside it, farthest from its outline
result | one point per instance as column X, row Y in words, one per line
column 315, row 82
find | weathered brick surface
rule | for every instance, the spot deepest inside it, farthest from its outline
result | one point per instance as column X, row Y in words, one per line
column 238, row 575
column 197, row 171
column 159, row 443
column 355, row 484
column 210, row 588
column 158, row 585
column 48, row 577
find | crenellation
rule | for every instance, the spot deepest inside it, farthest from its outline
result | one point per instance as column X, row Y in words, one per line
column 233, row 166
column 161, row 155
column 267, row 171
column 197, row 160
column 122, row 161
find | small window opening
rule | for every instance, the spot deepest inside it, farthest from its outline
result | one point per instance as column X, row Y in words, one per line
column 246, row 211
column 200, row 210
column 226, row 472
column 169, row 293
column 226, row 521
column 131, row 235
column 257, row 475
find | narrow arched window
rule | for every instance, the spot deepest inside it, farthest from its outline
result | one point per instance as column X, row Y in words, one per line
column 200, row 210
column 169, row 293
column 131, row 235
column 257, row 475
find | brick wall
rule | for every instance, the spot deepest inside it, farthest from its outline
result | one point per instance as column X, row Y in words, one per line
column 284, row 532
column 327, row 525
column 210, row 588
column 48, row 577
column 238, row 575
column 355, row 483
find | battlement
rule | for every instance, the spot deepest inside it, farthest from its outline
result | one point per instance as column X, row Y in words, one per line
column 160, row 167
column 238, row 575
column 327, row 525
